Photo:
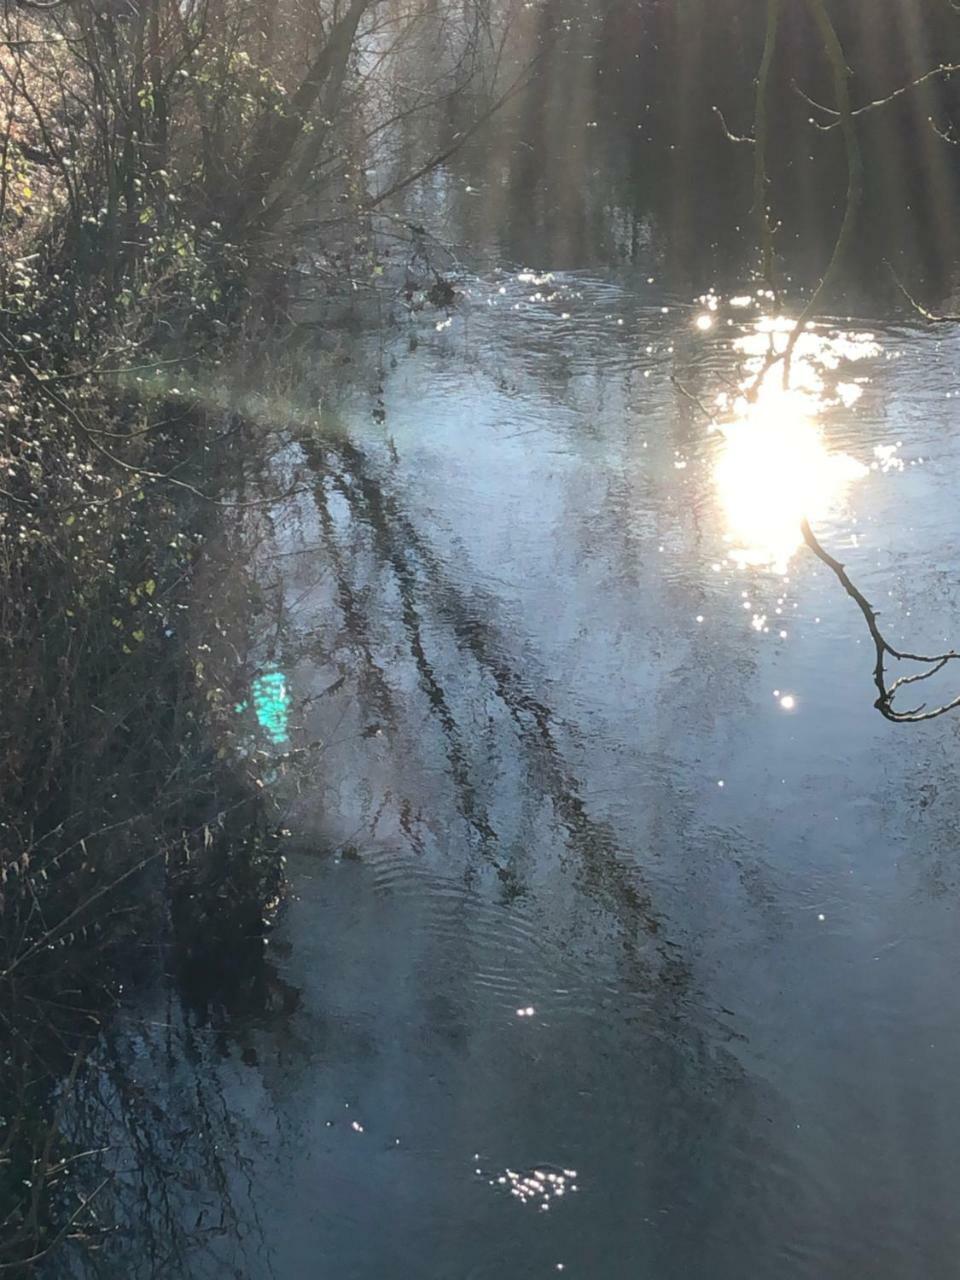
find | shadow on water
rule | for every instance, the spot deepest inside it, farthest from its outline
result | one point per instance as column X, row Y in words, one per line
column 420, row 579
column 432, row 974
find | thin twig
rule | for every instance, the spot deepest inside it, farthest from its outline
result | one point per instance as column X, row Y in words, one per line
column 944, row 134
column 692, row 397
column 61, row 1234
column 883, row 648
column 741, row 139
column 929, row 316
column 945, row 69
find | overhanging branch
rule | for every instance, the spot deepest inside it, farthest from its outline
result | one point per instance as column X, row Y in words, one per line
column 886, row 693
column 945, row 69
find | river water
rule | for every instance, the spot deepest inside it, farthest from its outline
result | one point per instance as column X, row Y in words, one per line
column 622, row 933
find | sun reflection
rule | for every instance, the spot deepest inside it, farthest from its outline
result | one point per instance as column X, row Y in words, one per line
column 775, row 470
column 775, row 467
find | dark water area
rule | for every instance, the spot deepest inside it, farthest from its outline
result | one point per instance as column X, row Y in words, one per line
column 621, row 934
column 622, row 132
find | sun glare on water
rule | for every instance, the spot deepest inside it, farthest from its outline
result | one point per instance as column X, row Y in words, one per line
column 775, row 467
column 774, row 470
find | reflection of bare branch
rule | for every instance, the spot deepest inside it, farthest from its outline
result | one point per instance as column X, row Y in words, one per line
column 421, row 579
column 729, row 134
column 758, row 140
column 930, row 316
column 461, row 138
column 885, row 692
column 844, row 113
column 760, row 131
column 692, row 397
column 944, row 134
column 835, row 57
column 945, row 69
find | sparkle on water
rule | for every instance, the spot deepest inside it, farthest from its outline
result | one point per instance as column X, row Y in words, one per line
column 775, row 467
column 537, row 1186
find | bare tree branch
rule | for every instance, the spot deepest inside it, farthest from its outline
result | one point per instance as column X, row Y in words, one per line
column 402, row 183
column 945, row 69
column 929, row 316
column 883, row 649
column 944, row 134
column 742, row 139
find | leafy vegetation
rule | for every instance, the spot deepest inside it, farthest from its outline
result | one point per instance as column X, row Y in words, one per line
column 157, row 162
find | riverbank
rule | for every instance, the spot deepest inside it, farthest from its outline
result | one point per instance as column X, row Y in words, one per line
column 135, row 841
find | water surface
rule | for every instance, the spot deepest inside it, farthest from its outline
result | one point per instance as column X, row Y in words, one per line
column 622, row 936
